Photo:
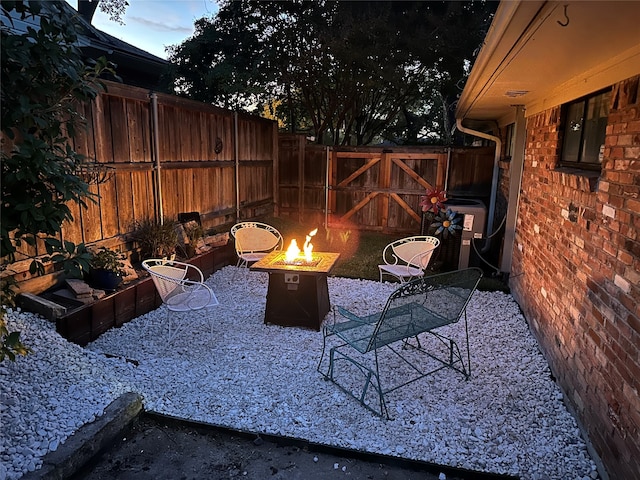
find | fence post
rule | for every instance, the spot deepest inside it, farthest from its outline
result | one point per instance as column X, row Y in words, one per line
column 385, row 185
column 326, row 185
column 155, row 152
column 236, row 158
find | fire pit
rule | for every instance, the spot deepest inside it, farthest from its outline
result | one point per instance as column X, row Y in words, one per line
column 322, row 262
column 297, row 294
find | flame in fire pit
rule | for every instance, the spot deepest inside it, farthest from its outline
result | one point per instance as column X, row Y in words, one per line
column 293, row 252
column 308, row 246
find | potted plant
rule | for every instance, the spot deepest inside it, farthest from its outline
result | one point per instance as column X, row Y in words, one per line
column 156, row 240
column 194, row 233
column 107, row 269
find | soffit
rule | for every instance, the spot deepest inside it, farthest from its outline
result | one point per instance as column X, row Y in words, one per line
column 534, row 55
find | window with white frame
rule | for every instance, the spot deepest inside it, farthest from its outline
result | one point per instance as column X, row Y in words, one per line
column 584, row 124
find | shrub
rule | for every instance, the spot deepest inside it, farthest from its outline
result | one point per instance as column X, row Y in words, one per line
column 155, row 240
column 108, row 260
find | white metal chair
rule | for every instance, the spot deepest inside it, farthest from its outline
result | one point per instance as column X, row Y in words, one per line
column 408, row 257
column 254, row 240
column 182, row 289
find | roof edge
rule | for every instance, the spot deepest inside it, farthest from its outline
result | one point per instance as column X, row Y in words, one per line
column 498, row 30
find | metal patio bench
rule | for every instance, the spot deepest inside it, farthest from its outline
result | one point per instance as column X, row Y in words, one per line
column 415, row 308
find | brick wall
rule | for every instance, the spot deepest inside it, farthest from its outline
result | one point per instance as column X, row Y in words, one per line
column 576, row 275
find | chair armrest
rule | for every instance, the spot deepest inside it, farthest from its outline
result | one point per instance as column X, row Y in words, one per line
column 417, row 259
column 198, row 272
column 193, row 295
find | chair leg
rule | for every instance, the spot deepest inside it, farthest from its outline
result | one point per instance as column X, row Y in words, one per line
column 324, row 345
column 171, row 332
column 210, row 317
column 174, row 326
column 240, row 264
column 371, row 379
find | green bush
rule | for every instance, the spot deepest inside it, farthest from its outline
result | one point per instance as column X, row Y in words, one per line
column 109, row 260
column 44, row 77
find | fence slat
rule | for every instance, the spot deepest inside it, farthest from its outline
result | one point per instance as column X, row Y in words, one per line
column 108, row 214
column 124, row 200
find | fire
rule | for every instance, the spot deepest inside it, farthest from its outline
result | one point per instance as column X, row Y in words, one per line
column 308, row 246
column 293, row 252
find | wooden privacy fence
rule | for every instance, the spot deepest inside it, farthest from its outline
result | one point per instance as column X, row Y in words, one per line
column 159, row 155
column 209, row 160
column 374, row 188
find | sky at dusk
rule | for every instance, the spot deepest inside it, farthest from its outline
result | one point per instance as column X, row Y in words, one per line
column 154, row 24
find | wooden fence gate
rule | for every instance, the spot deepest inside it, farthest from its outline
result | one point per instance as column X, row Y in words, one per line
column 374, row 188
column 380, row 190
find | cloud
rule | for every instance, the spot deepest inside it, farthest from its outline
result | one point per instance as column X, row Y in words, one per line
column 162, row 27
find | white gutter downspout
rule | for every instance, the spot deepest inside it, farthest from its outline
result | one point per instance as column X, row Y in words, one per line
column 156, row 155
column 494, row 180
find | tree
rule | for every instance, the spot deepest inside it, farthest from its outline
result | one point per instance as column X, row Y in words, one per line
column 43, row 79
column 351, row 68
column 114, row 8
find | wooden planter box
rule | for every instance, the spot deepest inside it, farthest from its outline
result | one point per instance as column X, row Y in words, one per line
column 87, row 323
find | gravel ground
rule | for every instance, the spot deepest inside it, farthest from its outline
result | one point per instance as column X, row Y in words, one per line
column 509, row 418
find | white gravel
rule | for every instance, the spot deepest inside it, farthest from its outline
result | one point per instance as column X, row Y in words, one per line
column 509, row 418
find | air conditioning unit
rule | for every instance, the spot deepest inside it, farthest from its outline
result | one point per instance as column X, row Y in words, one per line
column 456, row 250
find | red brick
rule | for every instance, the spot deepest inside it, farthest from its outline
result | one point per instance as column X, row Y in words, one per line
column 617, row 152
column 633, row 204
column 620, row 128
column 625, row 139
column 634, row 323
column 594, row 337
column 632, row 153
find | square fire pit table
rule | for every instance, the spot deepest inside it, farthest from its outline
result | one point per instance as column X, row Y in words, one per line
column 298, row 294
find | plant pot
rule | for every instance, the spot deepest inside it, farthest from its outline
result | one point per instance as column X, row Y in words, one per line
column 105, row 279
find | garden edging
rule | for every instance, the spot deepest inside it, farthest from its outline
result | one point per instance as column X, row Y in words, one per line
column 85, row 324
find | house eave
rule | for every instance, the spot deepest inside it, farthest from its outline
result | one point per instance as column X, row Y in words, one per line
column 542, row 54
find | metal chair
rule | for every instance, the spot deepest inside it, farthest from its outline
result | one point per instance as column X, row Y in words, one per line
column 254, row 240
column 182, row 289
column 408, row 257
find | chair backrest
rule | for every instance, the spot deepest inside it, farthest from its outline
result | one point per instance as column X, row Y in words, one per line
column 169, row 276
column 415, row 251
column 425, row 303
column 252, row 237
